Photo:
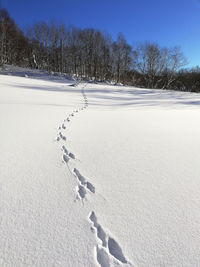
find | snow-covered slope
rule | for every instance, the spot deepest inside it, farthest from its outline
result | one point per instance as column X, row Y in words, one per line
column 97, row 175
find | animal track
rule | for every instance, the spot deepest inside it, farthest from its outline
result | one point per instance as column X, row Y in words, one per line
column 72, row 156
column 115, row 250
column 102, row 257
column 81, row 191
column 62, row 136
column 83, row 185
column 82, row 180
column 79, row 177
column 64, row 149
column 65, row 158
column 69, row 154
column 90, row 187
column 107, row 250
column 109, row 247
column 99, row 230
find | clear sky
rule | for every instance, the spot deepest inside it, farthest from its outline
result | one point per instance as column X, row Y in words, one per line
column 170, row 23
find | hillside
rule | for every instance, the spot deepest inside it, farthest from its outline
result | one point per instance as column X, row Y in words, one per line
column 97, row 174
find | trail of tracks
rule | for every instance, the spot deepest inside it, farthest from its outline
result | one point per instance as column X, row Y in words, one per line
column 107, row 251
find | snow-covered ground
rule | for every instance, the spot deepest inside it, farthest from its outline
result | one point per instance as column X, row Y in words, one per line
column 97, row 175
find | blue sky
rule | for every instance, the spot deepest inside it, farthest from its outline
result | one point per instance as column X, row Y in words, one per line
column 170, row 23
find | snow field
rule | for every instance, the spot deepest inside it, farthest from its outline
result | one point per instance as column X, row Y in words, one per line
column 97, row 175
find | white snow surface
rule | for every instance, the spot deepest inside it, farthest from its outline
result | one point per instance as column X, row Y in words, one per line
column 96, row 174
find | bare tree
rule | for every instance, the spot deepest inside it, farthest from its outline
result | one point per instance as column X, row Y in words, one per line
column 158, row 65
column 148, row 61
column 174, row 61
column 121, row 57
column 14, row 48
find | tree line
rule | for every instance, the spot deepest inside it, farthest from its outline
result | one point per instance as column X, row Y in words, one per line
column 92, row 54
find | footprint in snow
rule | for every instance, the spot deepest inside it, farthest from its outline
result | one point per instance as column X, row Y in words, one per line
column 102, row 257
column 72, row 156
column 99, row 230
column 115, row 250
column 69, row 154
column 90, row 187
column 82, row 180
column 81, row 192
column 64, row 149
column 62, row 136
column 110, row 247
column 65, row 158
